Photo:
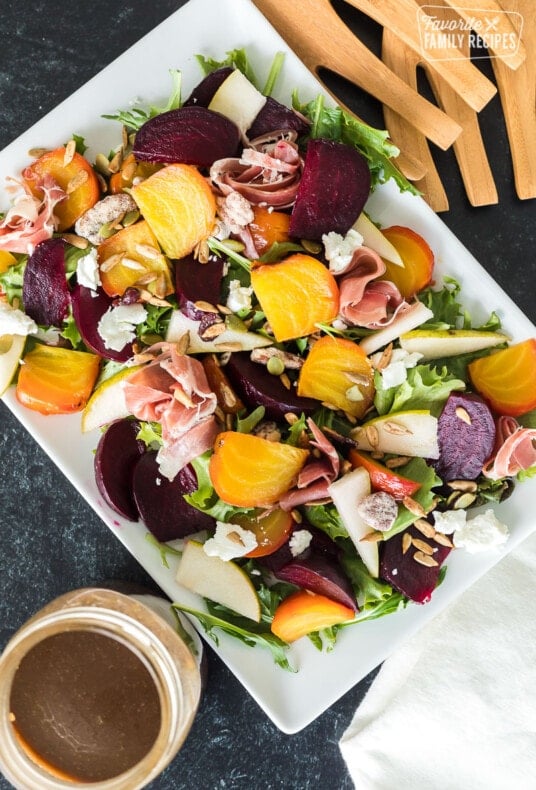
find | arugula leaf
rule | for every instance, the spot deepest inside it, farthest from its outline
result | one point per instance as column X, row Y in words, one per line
column 335, row 123
column 273, row 74
column 236, row 59
column 247, row 424
column 71, row 332
column 218, row 247
column 265, row 639
column 164, row 549
column 425, row 387
column 136, row 117
column 278, row 250
column 155, row 326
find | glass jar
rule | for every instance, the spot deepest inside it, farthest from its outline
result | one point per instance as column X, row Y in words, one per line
column 99, row 690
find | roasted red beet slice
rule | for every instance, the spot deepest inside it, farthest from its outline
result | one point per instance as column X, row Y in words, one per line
column 45, row 293
column 320, row 575
column 334, row 187
column 256, row 387
column 88, row 309
column 414, row 580
column 161, row 503
column 466, row 437
column 196, row 282
column 190, row 135
column 202, row 94
column 117, row 452
column 275, row 116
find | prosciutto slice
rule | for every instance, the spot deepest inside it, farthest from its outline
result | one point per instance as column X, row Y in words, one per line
column 30, row 220
column 515, row 450
column 173, row 390
column 267, row 173
column 315, row 477
column 365, row 300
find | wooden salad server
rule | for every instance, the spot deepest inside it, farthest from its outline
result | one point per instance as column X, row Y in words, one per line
column 321, row 40
column 405, row 18
column 404, row 61
column 502, row 25
column 517, row 90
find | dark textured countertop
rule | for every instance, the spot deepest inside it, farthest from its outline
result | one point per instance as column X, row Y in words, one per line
column 51, row 541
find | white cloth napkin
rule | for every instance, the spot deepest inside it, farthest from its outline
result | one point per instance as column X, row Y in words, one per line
column 455, row 707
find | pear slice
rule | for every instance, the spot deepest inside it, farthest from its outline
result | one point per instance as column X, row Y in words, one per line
column 374, row 238
column 107, row 403
column 434, row 344
column 180, row 325
column 238, row 99
column 412, row 433
column 11, row 348
column 223, row 581
column 415, row 315
column 346, row 493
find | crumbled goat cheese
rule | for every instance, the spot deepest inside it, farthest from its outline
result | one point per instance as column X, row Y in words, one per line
column 339, row 250
column 230, row 541
column 87, row 270
column 395, row 373
column 481, row 533
column 239, row 297
column 14, row 322
column 116, row 326
column 299, row 541
column 449, row 521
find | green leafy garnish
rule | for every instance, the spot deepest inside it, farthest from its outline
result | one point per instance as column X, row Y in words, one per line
column 335, row 123
column 425, row 387
column 273, row 74
column 416, row 469
column 247, row 423
column 326, row 518
column 235, row 59
column 137, row 116
column 80, row 144
column 226, row 249
column 164, row 549
column 151, row 434
column 266, row 639
column 12, row 279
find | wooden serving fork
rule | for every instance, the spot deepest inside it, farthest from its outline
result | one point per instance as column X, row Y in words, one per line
column 321, row 40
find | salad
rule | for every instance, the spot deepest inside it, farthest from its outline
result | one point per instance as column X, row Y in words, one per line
column 281, row 386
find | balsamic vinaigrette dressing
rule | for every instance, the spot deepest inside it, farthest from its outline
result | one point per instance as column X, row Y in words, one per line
column 85, row 705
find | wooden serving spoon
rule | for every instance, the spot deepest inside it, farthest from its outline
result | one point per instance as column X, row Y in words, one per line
column 321, row 39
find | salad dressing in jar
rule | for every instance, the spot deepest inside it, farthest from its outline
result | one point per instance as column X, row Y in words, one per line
column 96, row 690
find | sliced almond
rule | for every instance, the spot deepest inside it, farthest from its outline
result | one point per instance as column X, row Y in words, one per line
column 413, row 506
column 406, row 542
column 425, row 528
column 425, row 559
column 443, row 540
column 423, row 546
column 76, row 181
column 463, row 414
column 70, row 150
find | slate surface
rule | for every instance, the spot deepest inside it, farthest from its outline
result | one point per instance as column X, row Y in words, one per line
column 51, row 541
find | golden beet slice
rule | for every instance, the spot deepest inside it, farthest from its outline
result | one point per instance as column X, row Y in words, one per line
column 338, row 372
column 74, row 175
column 132, row 257
column 179, row 206
column 506, row 379
column 248, row 471
column 296, row 295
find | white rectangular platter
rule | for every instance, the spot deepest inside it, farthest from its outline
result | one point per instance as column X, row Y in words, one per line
column 141, row 74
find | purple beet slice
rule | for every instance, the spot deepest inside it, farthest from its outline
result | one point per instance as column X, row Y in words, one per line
column 117, row 452
column 320, row 575
column 161, row 504
column 202, row 94
column 275, row 116
column 196, row 282
column 88, row 308
column 466, row 437
column 255, row 386
column 334, row 187
column 403, row 572
column 45, row 293
column 189, row 135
